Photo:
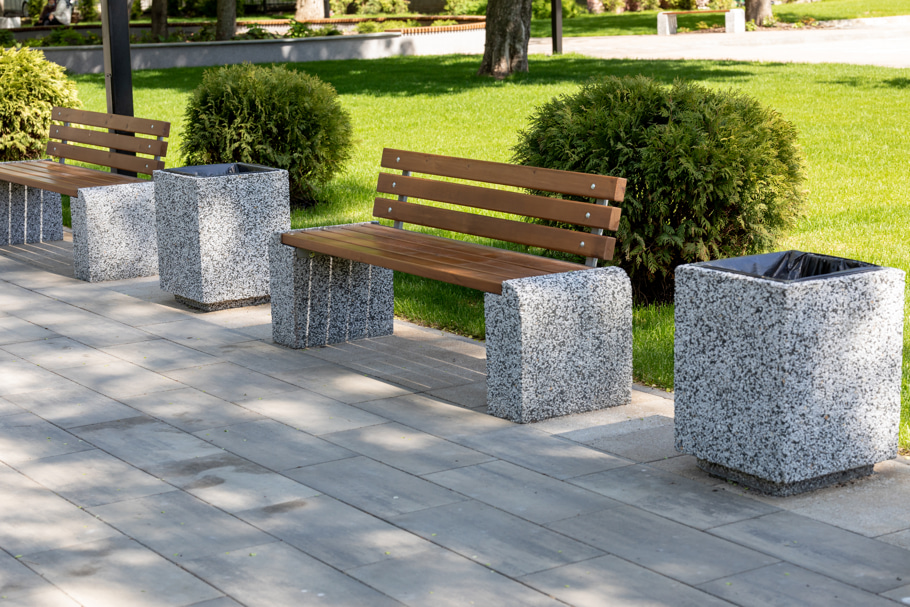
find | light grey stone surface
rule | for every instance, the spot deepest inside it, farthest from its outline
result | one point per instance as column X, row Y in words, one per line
column 214, row 234
column 114, row 232
column 785, row 383
column 559, row 344
column 319, row 300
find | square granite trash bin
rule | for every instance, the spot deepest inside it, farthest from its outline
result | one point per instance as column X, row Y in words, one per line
column 788, row 368
column 214, row 227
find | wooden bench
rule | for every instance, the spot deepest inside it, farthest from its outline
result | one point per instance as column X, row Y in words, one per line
column 338, row 286
column 734, row 20
column 112, row 212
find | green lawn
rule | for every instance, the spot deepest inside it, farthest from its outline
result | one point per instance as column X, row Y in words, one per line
column 851, row 121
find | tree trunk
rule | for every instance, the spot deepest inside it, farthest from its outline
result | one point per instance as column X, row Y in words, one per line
column 508, row 31
column 309, row 9
column 226, row 24
column 159, row 19
column 758, row 10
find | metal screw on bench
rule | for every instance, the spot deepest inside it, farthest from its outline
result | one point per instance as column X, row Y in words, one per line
column 593, row 186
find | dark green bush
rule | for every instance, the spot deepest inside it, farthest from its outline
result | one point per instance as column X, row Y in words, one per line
column 711, row 174
column 369, row 7
column 7, row 38
column 271, row 116
column 542, row 9
column 30, row 86
column 89, row 10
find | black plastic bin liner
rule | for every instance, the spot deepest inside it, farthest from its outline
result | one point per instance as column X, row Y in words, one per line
column 220, row 170
column 790, row 266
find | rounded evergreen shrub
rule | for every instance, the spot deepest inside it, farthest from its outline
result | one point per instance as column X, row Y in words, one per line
column 30, row 86
column 710, row 174
column 271, row 116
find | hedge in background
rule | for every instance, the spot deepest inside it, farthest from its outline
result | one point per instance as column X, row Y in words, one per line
column 30, row 86
column 271, row 116
column 711, row 174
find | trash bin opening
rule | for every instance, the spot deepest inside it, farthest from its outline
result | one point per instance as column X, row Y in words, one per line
column 788, row 266
column 220, row 170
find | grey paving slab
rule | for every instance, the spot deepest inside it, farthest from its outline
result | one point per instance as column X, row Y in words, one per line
column 785, row 585
column 471, row 396
column 59, row 353
column 118, row 572
column 407, row 449
column 277, row 574
column 35, row 519
column 901, row 595
column 230, row 382
column 662, row 545
column 583, row 427
column 647, row 445
column 342, row 384
column 414, row 374
column 15, row 330
column 25, row 437
column 8, row 407
column 498, row 540
column 179, row 526
column 191, row 410
column 611, row 581
column 195, row 333
column 72, row 406
column 312, row 412
column 434, row 416
column 266, row 357
column 439, row 578
column 22, row 376
column 539, row 451
column 104, row 301
column 521, row 492
column 145, row 442
column 21, row 586
column 222, row 602
column 232, row 483
column 92, row 478
column 333, row 532
column 119, row 379
column 161, row 355
column 274, row 445
column 672, row 497
column 853, row 559
column 374, row 487
column 99, row 332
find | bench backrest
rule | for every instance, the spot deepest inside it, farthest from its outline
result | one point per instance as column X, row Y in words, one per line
column 592, row 245
column 68, row 141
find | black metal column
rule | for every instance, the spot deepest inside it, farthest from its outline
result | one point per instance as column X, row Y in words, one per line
column 556, row 25
column 118, row 74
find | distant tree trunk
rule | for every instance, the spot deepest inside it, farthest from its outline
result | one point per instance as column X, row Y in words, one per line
column 758, row 10
column 508, row 31
column 159, row 18
column 226, row 23
column 309, row 9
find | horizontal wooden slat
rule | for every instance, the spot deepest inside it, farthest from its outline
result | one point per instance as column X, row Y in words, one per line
column 126, row 143
column 114, row 160
column 62, row 179
column 555, row 239
column 117, row 122
column 533, row 178
column 541, row 207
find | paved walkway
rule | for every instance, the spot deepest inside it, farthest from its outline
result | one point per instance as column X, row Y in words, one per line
column 155, row 456
column 884, row 42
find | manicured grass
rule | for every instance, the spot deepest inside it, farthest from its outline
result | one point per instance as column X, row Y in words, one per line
column 851, row 121
column 830, row 10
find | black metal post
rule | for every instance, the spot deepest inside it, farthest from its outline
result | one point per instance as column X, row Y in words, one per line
column 118, row 72
column 556, row 25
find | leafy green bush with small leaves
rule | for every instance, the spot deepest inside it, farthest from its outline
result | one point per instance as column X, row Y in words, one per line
column 269, row 115
column 34, row 8
column 256, row 33
column 465, row 7
column 302, row 30
column 89, row 10
column 542, row 9
column 7, row 38
column 30, row 86
column 369, row 7
column 710, row 173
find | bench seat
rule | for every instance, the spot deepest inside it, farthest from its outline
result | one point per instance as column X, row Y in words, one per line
column 63, row 179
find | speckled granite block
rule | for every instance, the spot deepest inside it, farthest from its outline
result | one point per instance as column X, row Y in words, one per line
column 788, row 386
column 214, row 234
column 319, row 300
column 114, row 232
column 559, row 344
column 29, row 215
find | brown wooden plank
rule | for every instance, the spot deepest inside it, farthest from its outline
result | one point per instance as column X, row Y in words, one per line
column 103, row 158
column 555, row 239
column 139, row 145
column 534, row 178
column 471, row 250
column 516, row 203
column 131, row 124
column 65, row 180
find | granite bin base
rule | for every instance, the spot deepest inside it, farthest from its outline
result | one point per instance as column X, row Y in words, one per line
column 214, row 225
column 788, row 368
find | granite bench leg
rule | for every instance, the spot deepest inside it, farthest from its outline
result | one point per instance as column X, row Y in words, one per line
column 319, row 300
column 114, row 233
column 666, row 24
column 29, row 215
column 559, row 344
